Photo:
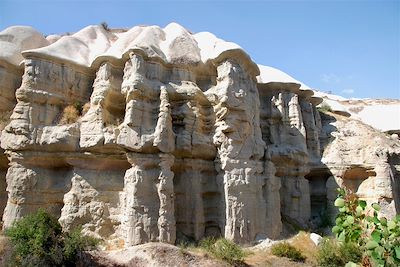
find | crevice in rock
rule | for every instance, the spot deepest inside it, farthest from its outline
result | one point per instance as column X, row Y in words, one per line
column 318, row 194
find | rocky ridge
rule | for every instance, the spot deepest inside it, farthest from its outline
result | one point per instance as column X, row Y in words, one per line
column 158, row 134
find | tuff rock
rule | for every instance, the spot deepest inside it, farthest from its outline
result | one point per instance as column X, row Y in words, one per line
column 155, row 134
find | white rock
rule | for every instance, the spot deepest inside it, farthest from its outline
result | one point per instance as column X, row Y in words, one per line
column 316, row 238
column 16, row 39
column 179, row 140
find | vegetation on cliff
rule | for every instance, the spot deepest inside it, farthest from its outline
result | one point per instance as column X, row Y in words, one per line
column 38, row 240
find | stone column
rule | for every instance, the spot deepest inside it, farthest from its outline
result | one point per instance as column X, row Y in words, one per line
column 148, row 200
column 295, row 116
column 272, row 197
column 106, row 107
column 243, row 183
column 20, row 180
column 165, row 189
column 240, row 149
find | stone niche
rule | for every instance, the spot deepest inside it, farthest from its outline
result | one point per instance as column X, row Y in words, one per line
column 356, row 178
column 322, row 194
column 198, row 199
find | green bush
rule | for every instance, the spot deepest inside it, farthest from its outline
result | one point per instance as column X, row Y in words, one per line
column 324, row 107
column 335, row 254
column 378, row 237
column 224, row 249
column 284, row 249
column 38, row 240
column 75, row 243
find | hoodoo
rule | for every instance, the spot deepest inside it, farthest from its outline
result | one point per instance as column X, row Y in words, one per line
column 158, row 134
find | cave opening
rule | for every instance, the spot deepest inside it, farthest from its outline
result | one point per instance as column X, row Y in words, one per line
column 354, row 177
column 317, row 179
column 114, row 106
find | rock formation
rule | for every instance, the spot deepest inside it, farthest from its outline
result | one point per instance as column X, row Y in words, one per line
column 157, row 134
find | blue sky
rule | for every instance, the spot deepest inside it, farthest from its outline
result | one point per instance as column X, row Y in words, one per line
column 351, row 48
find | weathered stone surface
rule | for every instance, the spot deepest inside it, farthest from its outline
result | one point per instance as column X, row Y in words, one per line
column 171, row 137
column 364, row 160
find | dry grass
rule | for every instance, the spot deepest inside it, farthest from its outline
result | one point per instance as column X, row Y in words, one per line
column 85, row 108
column 114, row 245
column 69, row 115
column 73, row 112
column 301, row 241
column 284, row 249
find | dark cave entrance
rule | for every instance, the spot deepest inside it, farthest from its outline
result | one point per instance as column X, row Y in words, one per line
column 317, row 179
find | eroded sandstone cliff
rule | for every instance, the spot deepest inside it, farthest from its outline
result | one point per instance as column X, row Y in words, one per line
column 162, row 135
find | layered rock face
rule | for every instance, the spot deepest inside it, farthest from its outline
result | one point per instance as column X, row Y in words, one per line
column 363, row 160
column 162, row 135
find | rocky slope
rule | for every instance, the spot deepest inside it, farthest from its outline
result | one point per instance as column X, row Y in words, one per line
column 158, row 134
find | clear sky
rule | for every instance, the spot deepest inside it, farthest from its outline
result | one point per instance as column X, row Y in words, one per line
column 351, row 48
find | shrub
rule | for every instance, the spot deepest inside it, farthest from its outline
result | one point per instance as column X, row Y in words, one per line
column 74, row 244
column 324, row 107
column 334, row 254
column 38, row 240
column 284, row 249
column 349, row 221
column 228, row 251
column 224, row 249
column 70, row 115
column 207, row 243
column 378, row 238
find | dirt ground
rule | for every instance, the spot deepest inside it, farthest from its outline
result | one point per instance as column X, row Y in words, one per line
column 159, row 254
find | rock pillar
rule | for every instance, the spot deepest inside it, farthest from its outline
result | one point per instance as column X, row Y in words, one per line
column 148, row 205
